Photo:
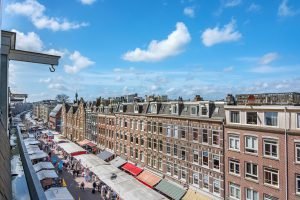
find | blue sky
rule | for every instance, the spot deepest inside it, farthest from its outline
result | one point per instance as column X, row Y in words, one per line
column 173, row 47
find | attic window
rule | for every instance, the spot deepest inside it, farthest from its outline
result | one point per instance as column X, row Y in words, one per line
column 203, row 110
column 153, row 108
column 121, row 108
column 136, row 108
column 193, row 110
column 174, row 109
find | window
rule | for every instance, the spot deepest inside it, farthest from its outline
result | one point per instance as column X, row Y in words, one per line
column 195, row 134
column 136, row 140
column 205, row 181
column 298, row 184
column 141, row 125
column 251, row 144
column 125, row 124
column 160, row 128
column 175, row 170
column 196, row 179
column 205, row 158
column 159, row 163
column 168, row 167
column 216, row 187
column 251, row 194
column 204, row 136
column 251, row 171
column 251, row 117
column 271, row 118
column 131, row 138
column 193, row 110
column 168, row 148
column 149, row 143
column 183, row 136
column 154, row 127
column 175, row 132
column 215, row 137
column 297, row 151
column 196, row 157
column 168, row 131
column 271, row 148
column 174, row 109
column 131, row 151
column 136, row 154
column 182, row 153
column 183, row 173
column 216, row 162
column 234, row 142
column 175, row 150
column 271, row 177
column 234, row 116
column 154, row 144
column 149, row 126
column 234, row 191
column 142, row 141
column 131, row 124
column 268, row 197
column 204, row 110
column 160, row 145
column 298, row 120
column 234, row 167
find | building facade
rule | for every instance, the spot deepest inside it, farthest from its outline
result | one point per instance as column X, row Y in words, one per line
column 55, row 118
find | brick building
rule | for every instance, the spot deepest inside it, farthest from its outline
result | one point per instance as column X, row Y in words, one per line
column 55, row 118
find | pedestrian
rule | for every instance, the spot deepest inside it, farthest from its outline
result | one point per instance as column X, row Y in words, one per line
column 77, row 172
column 94, row 184
column 74, row 173
column 82, row 185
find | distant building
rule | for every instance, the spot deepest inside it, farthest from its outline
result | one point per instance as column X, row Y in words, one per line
column 55, row 118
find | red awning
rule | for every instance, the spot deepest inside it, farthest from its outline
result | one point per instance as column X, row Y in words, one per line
column 90, row 144
column 132, row 169
column 84, row 142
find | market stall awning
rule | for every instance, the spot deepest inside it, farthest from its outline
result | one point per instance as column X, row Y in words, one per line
column 91, row 144
column 72, row 148
column 118, row 162
column 170, row 189
column 148, row 178
column 132, row 169
column 46, row 174
column 83, row 142
column 60, row 139
column 193, row 195
column 38, row 155
column 58, row 193
column 90, row 160
column 42, row 166
column 104, row 155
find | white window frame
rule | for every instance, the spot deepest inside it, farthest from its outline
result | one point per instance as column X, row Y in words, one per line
column 297, row 184
column 196, row 175
column 207, row 159
column 183, row 171
column 269, row 197
column 236, row 140
column 195, row 153
column 253, row 139
column 272, row 171
column 214, row 133
column 218, row 183
column 265, row 121
column 298, row 120
column 216, row 155
column 251, row 175
column 201, row 109
column 205, row 179
column 252, row 193
column 235, row 188
column 193, row 107
column 271, row 143
column 297, row 157
column 235, row 163
column 230, row 117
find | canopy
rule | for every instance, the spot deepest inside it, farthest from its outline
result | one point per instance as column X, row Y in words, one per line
column 38, row 155
column 90, row 160
column 83, row 142
column 59, row 139
column 34, row 151
column 170, row 189
column 118, row 162
column 90, row 144
column 104, row 155
column 58, row 193
column 72, row 148
column 46, row 174
column 193, row 195
column 132, row 169
column 32, row 142
column 148, row 178
column 43, row 165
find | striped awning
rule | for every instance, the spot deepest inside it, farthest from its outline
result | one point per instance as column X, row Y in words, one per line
column 170, row 189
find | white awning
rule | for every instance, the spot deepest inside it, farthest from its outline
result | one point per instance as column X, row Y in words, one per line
column 90, row 160
column 71, row 147
column 46, row 174
column 58, row 193
column 38, row 155
column 42, row 166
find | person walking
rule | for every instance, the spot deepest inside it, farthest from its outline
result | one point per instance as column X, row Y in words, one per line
column 82, row 185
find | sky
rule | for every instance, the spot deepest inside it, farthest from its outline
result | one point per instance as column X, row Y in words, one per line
column 163, row 47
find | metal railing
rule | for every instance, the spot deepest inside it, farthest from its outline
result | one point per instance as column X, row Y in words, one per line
column 35, row 188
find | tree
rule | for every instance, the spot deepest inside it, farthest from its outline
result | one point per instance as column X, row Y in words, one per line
column 62, row 98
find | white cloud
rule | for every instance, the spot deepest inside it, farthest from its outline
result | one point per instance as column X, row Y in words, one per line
column 57, row 86
column 254, row 7
column 56, row 52
column 268, row 58
column 232, row 3
column 119, row 79
column 284, row 10
column 212, row 36
column 159, row 50
column 189, row 11
column 29, row 42
column 45, row 80
column 228, row 69
column 267, row 69
column 87, row 2
column 36, row 13
column 79, row 62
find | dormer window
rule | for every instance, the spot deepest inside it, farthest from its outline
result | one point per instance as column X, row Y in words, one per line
column 121, row 108
column 136, row 108
column 204, row 111
column 194, row 110
column 175, row 109
column 153, row 108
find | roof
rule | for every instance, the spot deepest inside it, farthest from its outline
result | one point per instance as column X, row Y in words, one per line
column 148, row 178
column 38, row 155
column 43, row 174
column 132, row 169
column 90, row 160
column 105, row 155
column 43, row 165
column 33, row 142
column 193, row 195
column 54, row 112
column 71, row 147
column 118, row 162
column 58, row 193
column 84, row 142
column 170, row 189
column 59, row 139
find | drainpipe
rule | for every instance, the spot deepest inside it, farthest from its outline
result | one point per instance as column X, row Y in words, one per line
column 286, row 156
